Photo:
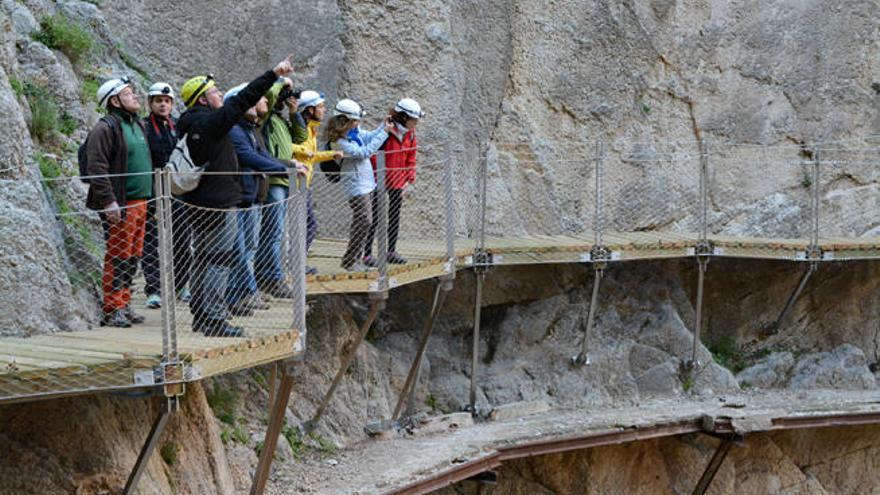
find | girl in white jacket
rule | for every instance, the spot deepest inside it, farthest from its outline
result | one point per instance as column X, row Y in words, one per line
column 357, row 179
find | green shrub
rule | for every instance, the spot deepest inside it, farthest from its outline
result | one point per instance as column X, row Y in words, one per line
column 169, row 453
column 17, row 86
column 67, row 125
column 44, row 115
column 58, row 32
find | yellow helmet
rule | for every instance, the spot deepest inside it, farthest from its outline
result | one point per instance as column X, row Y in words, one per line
column 194, row 88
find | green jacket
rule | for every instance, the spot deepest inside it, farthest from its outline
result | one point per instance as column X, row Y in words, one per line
column 281, row 134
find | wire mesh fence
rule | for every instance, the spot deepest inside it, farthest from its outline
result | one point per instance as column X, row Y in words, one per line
column 165, row 289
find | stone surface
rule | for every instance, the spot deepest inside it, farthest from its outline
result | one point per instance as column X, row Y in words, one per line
column 772, row 371
column 842, row 368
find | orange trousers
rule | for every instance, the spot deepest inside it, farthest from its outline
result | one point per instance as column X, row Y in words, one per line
column 125, row 244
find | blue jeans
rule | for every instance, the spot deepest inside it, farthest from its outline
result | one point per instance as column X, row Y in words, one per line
column 213, row 237
column 241, row 280
column 267, row 264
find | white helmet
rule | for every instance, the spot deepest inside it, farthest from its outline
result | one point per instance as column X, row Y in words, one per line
column 350, row 109
column 161, row 89
column 234, row 91
column 111, row 88
column 410, row 107
column 308, row 99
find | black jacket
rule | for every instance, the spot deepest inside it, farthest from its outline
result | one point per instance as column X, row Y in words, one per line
column 207, row 137
column 162, row 136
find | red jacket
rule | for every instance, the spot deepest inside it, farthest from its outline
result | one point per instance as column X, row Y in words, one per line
column 400, row 159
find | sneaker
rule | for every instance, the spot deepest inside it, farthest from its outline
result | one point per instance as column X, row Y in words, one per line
column 310, row 270
column 370, row 261
column 241, row 308
column 117, row 319
column 221, row 329
column 280, row 290
column 133, row 317
column 154, row 301
column 395, row 258
column 184, row 295
column 357, row 266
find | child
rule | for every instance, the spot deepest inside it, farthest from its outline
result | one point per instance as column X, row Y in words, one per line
column 344, row 135
column 400, row 170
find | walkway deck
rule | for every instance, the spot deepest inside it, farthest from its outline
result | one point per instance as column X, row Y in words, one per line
column 113, row 359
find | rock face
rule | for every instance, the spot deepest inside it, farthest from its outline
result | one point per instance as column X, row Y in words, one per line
column 838, row 460
column 842, row 368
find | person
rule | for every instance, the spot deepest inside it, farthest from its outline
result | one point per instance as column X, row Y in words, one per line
column 118, row 155
column 311, row 110
column 161, row 131
column 206, row 124
column 241, row 294
column 344, row 134
column 400, row 171
column 280, row 134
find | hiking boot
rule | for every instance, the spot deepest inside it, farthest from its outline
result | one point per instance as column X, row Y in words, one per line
column 395, row 258
column 241, row 308
column 116, row 319
column 184, row 295
column 221, row 329
column 311, row 270
column 133, row 317
column 278, row 289
column 370, row 261
column 254, row 301
column 154, row 301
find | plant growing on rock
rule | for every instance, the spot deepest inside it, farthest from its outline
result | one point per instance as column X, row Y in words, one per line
column 59, row 33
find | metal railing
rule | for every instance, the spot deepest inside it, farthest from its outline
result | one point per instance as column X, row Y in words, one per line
column 209, row 269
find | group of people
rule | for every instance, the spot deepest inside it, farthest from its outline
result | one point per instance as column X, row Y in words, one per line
column 252, row 141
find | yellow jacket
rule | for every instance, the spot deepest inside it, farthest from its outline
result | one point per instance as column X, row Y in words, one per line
column 310, row 145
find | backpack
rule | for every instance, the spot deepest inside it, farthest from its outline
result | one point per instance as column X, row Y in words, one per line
column 331, row 168
column 185, row 175
column 81, row 155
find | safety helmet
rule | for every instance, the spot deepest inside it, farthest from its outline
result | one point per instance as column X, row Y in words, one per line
column 111, row 88
column 410, row 107
column 308, row 99
column 350, row 109
column 161, row 89
column 233, row 91
column 196, row 87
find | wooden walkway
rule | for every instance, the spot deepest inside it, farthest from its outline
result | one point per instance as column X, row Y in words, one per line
column 102, row 359
column 117, row 359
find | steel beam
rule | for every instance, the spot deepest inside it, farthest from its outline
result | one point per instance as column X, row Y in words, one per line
column 149, row 446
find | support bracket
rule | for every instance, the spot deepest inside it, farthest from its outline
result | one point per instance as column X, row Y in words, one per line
column 172, row 405
column 715, row 463
column 600, row 256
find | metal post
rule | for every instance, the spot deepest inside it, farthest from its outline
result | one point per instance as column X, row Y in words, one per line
column 814, row 234
column 599, row 226
column 484, row 176
column 475, row 347
column 448, row 211
column 149, row 446
column 583, row 358
column 702, row 266
column 714, row 465
column 412, row 376
column 382, row 224
column 704, row 191
column 273, row 430
column 295, row 220
column 346, row 361
column 166, row 253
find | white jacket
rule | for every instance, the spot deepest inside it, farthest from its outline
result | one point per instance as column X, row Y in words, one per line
column 356, row 170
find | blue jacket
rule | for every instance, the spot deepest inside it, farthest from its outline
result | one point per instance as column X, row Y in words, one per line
column 356, row 170
column 252, row 156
